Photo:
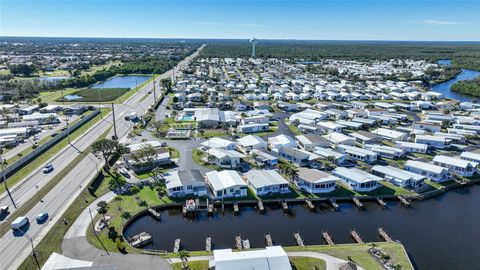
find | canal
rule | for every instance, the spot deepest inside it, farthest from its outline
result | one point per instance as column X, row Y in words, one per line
column 440, row 233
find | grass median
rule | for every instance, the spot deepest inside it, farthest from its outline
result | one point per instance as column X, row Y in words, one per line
column 52, row 151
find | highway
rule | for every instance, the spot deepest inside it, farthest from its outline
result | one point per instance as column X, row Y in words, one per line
column 14, row 249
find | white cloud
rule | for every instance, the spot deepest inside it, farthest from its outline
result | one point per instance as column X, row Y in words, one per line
column 440, row 22
column 232, row 24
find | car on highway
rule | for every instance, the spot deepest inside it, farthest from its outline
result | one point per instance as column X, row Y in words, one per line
column 41, row 217
column 48, row 168
column 19, row 223
column 3, row 209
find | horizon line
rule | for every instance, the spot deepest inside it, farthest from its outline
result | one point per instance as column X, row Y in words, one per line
column 266, row 39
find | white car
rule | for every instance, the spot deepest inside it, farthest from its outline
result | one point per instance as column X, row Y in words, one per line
column 48, row 168
column 19, row 222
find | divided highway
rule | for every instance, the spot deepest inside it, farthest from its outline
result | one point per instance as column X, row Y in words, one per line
column 14, row 249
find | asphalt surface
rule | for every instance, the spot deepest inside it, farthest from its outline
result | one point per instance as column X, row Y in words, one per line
column 15, row 248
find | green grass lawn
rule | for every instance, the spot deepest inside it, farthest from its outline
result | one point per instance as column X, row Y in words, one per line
column 359, row 254
column 194, row 265
column 306, row 263
column 197, row 157
column 34, row 164
column 53, row 96
column 294, row 129
column 97, row 94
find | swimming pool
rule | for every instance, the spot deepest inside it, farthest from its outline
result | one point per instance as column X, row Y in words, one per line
column 187, row 118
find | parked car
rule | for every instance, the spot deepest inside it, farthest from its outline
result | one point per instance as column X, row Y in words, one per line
column 19, row 222
column 48, row 168
column 41, row 217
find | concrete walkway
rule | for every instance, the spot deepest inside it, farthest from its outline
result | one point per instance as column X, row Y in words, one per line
column 332, row 262
column 76, row 246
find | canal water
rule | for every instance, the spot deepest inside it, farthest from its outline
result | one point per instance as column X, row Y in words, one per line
column 445, row 87
column 440, row 233
column 127, row 81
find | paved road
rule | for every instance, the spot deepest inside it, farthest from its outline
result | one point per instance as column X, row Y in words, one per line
column 14, row 249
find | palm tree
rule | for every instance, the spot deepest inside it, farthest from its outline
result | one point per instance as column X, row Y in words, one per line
column 102, row 209
column 184, row 255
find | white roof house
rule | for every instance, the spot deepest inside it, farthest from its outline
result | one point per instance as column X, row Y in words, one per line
column 398, row 176
column 226, row 183
column 431, row 171
column 250, row 142
column 265, row 182
column 270, row 258
column 315, row 181
column 472, row 156
column 357, row 179
column 282, row 140
column 456, row 165
column 412, row 147
column 336, row 138
column 216, row 142
column 390, row 134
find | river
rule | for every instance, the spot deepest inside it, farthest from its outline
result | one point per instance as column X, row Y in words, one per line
column 440, row 233
column 445, row 87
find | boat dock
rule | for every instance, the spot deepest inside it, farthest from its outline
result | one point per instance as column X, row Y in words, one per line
column 141, row 240
column 310, row 205
column 334, row 204
column 298, row 240
column 285, row 206
column 268, row 240
column 328, row 238
column 357, row 202
column 384, row 235
column 238, row 242
column 356, row 237
column 208, row 244
column 261, row 209
column 154, row 213
column 404, row 201
column 381, row 202
column 176, row 246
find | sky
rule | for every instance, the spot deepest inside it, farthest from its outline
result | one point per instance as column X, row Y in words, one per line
column 428, row 20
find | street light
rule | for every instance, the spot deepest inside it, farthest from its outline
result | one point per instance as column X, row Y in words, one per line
column 5, row 179
column 38, row 195
column 34, row 253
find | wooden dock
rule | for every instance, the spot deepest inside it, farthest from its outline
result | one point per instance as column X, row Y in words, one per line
column 310, row 205
column 384, row 235
column 208, row 244
column 238, row 242
column 285, row 207
column 334, row 204
column 261, row 209
column 154, row 214
column 176, row 246
column 404, row 201
column 268, row 240
column 357, row 202
column 236, row 210
column 298, row 240
column 328, row 238
column 356, row 237
column 381, row 202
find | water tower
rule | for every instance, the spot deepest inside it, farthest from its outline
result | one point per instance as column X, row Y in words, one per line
column 254, row 42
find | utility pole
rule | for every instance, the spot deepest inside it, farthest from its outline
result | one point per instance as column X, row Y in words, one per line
column 154, row 92
column 5, row 179
column 68, row 130
column 38, row 195
column 33, row 249
column 114, row 123
column 99, row 102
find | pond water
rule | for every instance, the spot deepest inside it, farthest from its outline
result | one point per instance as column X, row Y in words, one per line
column 127, row 81
column 72, row 97
column 445, row 87
column 440, row 233
column 444, row 62
column 52, row 78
